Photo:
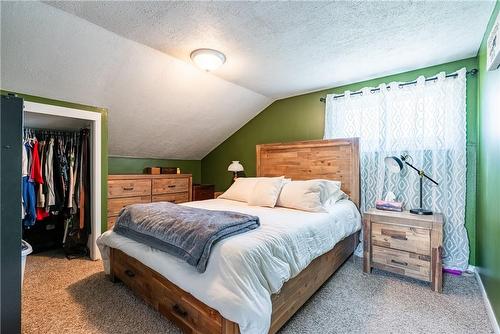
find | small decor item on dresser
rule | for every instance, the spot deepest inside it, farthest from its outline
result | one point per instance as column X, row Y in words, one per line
column 169, row 170
column 395, row 165
column 389, row 205
column 152, row 170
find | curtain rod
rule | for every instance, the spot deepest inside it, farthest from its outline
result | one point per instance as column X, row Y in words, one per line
column 454, row 75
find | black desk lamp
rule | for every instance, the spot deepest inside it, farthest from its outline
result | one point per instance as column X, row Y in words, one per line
column 395, row 165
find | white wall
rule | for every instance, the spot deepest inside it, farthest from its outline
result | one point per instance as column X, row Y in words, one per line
column 158, row 106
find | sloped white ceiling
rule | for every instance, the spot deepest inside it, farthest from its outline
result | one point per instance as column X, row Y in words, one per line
column 282, row 48
column 158, row 105
column 133, row 58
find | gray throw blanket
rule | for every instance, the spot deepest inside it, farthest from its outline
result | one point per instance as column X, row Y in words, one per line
column 185, row 232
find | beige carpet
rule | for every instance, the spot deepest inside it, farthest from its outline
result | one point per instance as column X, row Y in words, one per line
column 62, row 296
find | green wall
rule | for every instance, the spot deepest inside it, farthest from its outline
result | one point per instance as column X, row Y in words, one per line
column 126, row 165
column 104, row 142
column 488, row 186
column 302, row 118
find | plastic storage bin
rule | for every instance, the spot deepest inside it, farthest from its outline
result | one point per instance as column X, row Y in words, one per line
column 25, row 251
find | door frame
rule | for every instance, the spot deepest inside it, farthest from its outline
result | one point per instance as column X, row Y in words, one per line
column 11, row 123
column 95, row 174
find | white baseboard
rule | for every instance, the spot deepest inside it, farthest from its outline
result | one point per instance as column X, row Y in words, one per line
column 489, row 309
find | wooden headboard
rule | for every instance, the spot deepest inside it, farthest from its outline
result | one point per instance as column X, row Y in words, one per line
column 336, row 159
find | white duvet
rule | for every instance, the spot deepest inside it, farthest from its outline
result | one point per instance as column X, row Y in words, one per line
column 244, row 270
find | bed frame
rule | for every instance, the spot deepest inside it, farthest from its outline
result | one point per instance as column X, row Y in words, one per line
column 336, row 159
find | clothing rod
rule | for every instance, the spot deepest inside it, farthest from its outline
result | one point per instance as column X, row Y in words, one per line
column 453, row 75
column 55, row 131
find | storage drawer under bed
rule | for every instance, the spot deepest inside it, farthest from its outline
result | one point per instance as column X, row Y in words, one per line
column 180, row 307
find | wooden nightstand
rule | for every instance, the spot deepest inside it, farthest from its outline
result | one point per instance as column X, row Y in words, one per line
column 203, row 191
column 404, row 243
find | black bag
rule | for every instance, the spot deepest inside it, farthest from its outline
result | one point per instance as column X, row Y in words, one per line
column 75, row 240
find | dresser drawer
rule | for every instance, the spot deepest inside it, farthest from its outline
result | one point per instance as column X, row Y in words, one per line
column 400, row 262
column 116, row 204
column 174, row 198
column 411, row 239
column 128, row 188
column 166, row 186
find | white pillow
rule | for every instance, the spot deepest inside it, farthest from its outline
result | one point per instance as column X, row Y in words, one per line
column 303, row 195
column 266, row 192
column 332, row 192
column 241, row 189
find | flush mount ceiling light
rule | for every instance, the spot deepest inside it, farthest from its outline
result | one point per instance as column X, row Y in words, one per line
column 208, row 59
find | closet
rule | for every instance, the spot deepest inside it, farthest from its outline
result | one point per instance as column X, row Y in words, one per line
column 58, row 181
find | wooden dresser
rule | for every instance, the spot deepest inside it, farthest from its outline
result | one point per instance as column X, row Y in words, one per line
column 124, row 190
column 404, row 243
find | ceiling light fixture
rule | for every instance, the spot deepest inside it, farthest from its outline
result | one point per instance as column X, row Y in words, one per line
column 208, row 59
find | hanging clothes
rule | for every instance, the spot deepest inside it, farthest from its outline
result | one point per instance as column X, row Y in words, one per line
column 28, row 187
column 49, row 175
column 56, row 183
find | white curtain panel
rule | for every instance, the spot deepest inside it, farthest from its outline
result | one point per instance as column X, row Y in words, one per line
column 426, row 120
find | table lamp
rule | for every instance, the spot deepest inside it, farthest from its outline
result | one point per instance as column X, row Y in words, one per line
column 395, row 165
column 235, row 167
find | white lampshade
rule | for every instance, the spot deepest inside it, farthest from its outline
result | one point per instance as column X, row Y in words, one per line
column 235, row 166
column 208, row 59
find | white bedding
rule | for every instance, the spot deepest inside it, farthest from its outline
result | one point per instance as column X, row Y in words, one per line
column 244, row 270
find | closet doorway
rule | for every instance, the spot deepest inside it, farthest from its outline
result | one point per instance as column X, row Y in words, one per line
column 49, row 117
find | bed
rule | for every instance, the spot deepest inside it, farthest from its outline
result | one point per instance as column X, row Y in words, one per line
column 273, row 280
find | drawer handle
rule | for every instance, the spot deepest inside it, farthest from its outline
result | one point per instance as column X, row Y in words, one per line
column 129, row 273
column 128, row 188
column 172, row 186
column 399, row 237
column 401, row 263
column 394, row 234
column 177, row 309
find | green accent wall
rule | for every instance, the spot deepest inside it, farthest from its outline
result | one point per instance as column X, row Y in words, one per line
column 488, row 185
column 127, row 165
column 104, row 142
column 302, row 118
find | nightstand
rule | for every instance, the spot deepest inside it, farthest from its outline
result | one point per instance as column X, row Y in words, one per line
column 203, row 191
column 405, row 244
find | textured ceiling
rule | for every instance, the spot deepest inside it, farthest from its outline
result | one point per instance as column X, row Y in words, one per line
column 158, row 105
column 133, row 58
column 281, row 49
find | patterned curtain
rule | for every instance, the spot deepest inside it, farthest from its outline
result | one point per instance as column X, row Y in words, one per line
column 427, row 120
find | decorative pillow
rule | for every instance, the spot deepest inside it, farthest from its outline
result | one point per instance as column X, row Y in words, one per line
column 303, row 195
column 241, row 189
column 332, row 192
column 266, row 192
